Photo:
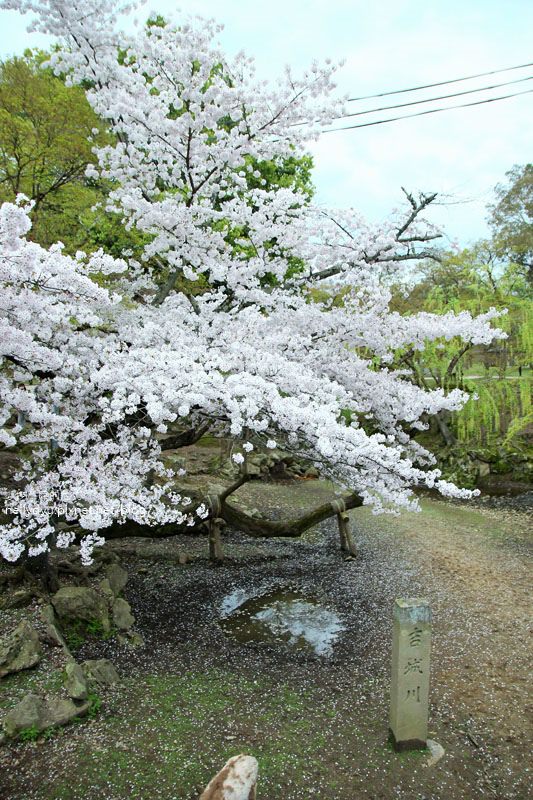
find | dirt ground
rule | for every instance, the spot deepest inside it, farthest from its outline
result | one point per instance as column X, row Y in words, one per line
column 192, row 696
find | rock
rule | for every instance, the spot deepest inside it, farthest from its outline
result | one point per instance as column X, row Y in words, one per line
column 100, row 672
column 52, row 633
column 26, row 714
column 296, row 469
column 75, row 681
column 18, row 599
column 48, row 615
column 40, row 713
column 105, row 587
column 81, row 603
column 117, row 577
column 21, row 649
column 436, row 752
column 237, row 780
column 131, row 639
column 122, row 616
column 253, row 468
column 59, row 711
column 135, row 639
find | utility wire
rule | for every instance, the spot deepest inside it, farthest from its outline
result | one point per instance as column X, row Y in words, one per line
column 440, row 83
column 432, row 99
column 422, row 113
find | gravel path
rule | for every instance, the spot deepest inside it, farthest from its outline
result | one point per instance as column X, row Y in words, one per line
column 318, row 725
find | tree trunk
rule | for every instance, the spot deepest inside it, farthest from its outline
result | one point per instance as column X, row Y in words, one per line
column 445, row 431
column 236, row 518
column 41, row 569
column 291, row 528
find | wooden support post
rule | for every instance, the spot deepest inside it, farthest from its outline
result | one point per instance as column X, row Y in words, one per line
column 347, row 543
column 343, row 521
column 216, row 552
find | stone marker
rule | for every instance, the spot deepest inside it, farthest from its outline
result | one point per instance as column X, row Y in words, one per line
column 410, row 674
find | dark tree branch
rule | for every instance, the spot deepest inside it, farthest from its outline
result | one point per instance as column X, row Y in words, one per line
column 417, row 207
column 455, row 360
column 184, row 438
column 236, row 518
column 287, row 528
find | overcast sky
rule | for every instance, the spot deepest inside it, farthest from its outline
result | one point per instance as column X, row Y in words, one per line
column 390, row 44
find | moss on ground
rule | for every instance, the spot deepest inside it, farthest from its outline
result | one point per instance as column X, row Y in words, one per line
column 173, row 732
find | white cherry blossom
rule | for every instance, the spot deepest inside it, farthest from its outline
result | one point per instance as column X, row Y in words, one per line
column 215, row 329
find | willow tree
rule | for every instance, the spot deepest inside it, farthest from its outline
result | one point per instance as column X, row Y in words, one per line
column 475, row 279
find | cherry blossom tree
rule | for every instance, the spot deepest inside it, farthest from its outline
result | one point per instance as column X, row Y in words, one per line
column 253, row 315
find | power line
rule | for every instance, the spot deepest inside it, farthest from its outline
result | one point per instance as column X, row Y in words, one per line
column 422, row 113
column 432, row 99
column 440, row 83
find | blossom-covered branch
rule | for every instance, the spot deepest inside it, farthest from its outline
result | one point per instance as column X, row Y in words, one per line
column 226, row 331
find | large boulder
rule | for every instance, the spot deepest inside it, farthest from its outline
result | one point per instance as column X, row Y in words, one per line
column 21, row 649
column 100, row 672
column 122, row 616
column 72, row 603
column 39, row 713
column 25, row 714
column 237, row 780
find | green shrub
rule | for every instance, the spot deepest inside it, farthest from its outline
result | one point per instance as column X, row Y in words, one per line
column 29, row 734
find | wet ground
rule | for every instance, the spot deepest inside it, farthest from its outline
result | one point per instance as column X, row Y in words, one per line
column 317, row 722
column 280, row 617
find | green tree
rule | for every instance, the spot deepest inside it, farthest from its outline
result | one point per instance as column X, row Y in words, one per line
column 511, row 218
column 47, row 132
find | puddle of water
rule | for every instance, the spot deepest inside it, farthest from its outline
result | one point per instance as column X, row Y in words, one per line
column 281, row 617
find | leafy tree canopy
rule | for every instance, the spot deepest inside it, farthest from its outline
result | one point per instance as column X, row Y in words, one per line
column 511, row 218
column 47, row 134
